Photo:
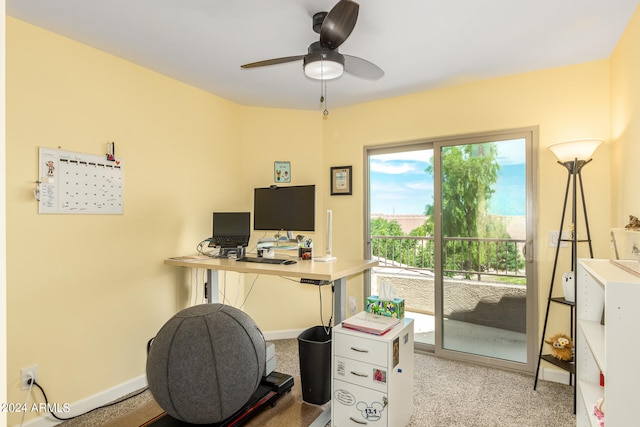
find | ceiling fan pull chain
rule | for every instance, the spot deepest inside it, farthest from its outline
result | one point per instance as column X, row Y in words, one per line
column 324, row 96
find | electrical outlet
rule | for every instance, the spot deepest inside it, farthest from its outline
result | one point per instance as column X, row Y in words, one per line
column 26, row 374
column 352, row 304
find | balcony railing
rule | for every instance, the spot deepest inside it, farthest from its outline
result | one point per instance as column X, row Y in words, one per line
column 462, row 256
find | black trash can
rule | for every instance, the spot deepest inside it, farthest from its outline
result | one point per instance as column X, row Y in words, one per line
column 314, row 349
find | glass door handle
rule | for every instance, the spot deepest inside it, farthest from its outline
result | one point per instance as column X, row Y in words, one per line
column 524, row 251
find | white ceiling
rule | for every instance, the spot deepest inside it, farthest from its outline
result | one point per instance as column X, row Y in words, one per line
column 420, row 44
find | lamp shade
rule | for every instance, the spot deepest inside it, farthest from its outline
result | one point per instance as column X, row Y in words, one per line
column 323, row 65
column 581, row 149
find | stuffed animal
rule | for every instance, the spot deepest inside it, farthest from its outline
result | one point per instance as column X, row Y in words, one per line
column 561, row 346
column 598, row 411
column 634, row 223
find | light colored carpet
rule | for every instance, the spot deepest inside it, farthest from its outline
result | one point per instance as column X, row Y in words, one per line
column 446, row 393
column 449, row 393
column 146, row 411
column 132, row 412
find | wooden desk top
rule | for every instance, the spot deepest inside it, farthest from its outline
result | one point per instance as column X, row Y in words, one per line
column 331, row 270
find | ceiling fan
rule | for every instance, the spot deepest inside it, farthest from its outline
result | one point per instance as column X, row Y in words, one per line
column 323, row 60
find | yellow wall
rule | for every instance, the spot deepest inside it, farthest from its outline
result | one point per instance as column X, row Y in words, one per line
column 85, row 293
column 625, row 125
column 270, row 135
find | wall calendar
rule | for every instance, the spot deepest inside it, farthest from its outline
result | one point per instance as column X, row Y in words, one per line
column 79, row 183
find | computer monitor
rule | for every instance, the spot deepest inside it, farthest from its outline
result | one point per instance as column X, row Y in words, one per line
column 231, row 229
column 291, row 208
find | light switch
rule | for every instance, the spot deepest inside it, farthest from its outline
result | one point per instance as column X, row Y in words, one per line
column 553, row 239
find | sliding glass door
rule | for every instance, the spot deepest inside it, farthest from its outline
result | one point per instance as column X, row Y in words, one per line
column 450, row 224
column 482, row 274
column 401, row 188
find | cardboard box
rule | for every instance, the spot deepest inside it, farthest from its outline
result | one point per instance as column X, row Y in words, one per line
column 389, row 308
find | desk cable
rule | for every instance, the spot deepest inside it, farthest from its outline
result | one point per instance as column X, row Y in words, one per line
column 327, row 329
column 200, row 248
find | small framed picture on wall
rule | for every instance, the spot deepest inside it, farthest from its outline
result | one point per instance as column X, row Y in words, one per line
column 341, row 181
column 282, row 171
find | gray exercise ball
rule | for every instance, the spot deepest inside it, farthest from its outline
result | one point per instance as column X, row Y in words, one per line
column 205, row 363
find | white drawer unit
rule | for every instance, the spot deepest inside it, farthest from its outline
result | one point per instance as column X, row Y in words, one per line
column 372, row 377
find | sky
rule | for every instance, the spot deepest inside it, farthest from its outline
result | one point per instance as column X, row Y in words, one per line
column 400, row 185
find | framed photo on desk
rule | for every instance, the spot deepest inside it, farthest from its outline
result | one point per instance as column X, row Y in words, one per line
column 341, row 180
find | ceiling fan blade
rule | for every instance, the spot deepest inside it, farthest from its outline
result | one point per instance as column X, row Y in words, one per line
column 362, row 68
column 339, row 23
column 273, row 61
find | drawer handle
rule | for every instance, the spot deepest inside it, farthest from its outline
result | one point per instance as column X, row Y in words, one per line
column 358, row 421
column 359, row 374
column 360, row 350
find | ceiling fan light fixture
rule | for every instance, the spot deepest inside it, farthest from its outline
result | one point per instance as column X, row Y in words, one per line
column 326, row 65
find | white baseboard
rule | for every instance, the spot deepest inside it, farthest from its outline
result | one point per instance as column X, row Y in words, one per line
column 91, row 402
column 282, row 335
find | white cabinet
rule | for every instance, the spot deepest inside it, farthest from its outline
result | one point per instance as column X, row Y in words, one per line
column 610, row 349
column 372, row 377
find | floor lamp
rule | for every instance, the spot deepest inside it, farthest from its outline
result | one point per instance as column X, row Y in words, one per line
column 573, row 155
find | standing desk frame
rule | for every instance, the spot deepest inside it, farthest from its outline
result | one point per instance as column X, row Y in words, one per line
column 333, row 271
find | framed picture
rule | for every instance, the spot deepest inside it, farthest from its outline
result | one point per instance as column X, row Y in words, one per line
column 282, row 171
column 341, row 181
